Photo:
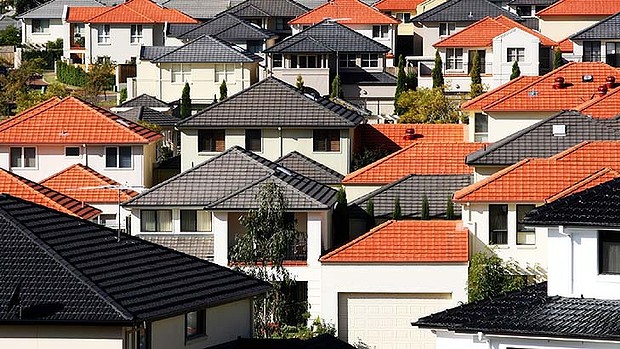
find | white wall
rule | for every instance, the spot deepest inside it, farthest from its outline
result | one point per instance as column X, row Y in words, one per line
column 119, row 49
column 56, row 31
column 514, row 38
column 503, row 124
column 355, row 191
column 61, row 337
column 430, row 35
column 317, row 78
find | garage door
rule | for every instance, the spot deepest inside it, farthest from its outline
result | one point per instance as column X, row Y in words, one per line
column 383, row 321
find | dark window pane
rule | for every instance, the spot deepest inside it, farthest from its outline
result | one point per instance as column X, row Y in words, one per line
column 482, row 123
column 498, row 224
column 609, row 252
column 72, row 151
column 124, row 157
column 188, row 220
column 211, row 140
column 16, row 157
column 326, row 140
column 253, row 140
column 111, row 157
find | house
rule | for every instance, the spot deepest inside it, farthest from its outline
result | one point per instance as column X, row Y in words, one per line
column 163, row 122
column 374, row 285
column 403, row 10
column 327, row 49
column 597, row 43
column 357, row 16
column 499, row 42
column 567, row 17
column 201, row 207
column 272, row 119
column 527, row 9
column 521, row 103
column 204, row 63
column 312, row 169
column 72, row 283
column 58, row 133
column 144, row 100
column 582, row 286
column 199, row 9
column 46, row 22
column 116, row 32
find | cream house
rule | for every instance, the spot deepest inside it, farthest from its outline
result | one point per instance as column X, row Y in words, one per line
column 567, row 17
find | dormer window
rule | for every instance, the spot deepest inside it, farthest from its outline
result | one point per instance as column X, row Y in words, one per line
column 609, row 252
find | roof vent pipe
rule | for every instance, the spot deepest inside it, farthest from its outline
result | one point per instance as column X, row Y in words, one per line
column 610, row 82
column 558, row 83
column 409, row 134
column 602, row 90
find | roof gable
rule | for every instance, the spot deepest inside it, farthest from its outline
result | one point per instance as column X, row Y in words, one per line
column 606, row 106
column 207, row 49
column 462, row 11
column 581, row 8
column 605, row 29
column 150, row 116
column 144, row 100
column 268, row 8
column 132, row 11
column 309, row 168
column 345, row 12
column 498, row 93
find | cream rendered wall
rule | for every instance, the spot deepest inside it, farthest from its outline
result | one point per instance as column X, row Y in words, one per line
column 56, row 31
column 428, row 4
column 483, row 172
column 514, row 38
column 430, row 34
column 560, row 28
column 356, row 191
column 503, row 124
column 317, row 78
column 120, row 49
column 379, row 99
column 110, row 209
column 61, row 337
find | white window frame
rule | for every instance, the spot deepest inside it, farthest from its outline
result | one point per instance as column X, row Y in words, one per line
column 225, row 71
column 157, row 222
column 453, row 59
column 403, row 16
column 369, row 60
column 22, row 159
column 481, row 136
column 136, row 34
column 347, row 60
column 383, row 31
column 515, row 52
column 103, row 34
column 204, row 224
column 305, row 58
column 280, row 60
column 42, row 28
column 447, row 28
column 118, row 156
column 180, row 73
column 73, row 156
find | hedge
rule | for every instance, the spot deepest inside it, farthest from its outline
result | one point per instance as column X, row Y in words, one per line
column 70, row 75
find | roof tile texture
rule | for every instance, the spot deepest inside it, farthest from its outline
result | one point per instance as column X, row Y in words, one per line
column 581, row 8
column 392, row 137
column 132, row 11
column 393, row 5
column 345, row 12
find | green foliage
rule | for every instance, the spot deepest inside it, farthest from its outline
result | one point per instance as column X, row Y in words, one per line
column 14, row 86
column 397, row 212
column 401, row 84
column 123, row 95
column 28, row 99
column 366, row 157
column 10, row 36
column 186, row 102
column 223, row 91
column 558, row 61
column 516, row 71
column 336, row 87
column 70, row 74
column 51, row 54
column 412, row 80
column 425, row 212
column 449, row 208
column 476, row 79
column 490, row 277
column 340, row 218
column 100, row 77
column 428, row 106
column 317, row 328
column 22, row 6
column 370, row 210
column 300, row 83
column 437, row 72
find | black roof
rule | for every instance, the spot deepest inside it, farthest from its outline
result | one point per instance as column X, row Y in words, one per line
column 538, row 141
column 274, row 103
column 149, row 115
column 201, row 9
column 225, row 26
column 597, row 206
column 531, row 312
column 608, row 28
column 65, row 269
column 204, row 49
column 328, row 37
column 144, row 100
column 362, row 77
column 463, row 11
column 310, row 168
column 268, row 8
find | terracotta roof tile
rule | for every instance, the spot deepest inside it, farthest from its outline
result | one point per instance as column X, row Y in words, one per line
column 72, row 121
column 417, row 158
column 345, row 12
column 394, row 5
column 81, row 182
column 435, row 241
column 566, row 46
column 392, row 137
column 603, row 107
column 23, row 188
column 581, row 8
column 132, row 11
column 497, row 93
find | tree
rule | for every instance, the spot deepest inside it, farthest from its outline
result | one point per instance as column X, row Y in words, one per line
column 336, row 88
column 397, row 213
column 261, row 251
column 412, row 80
column 516, row 71
column 449, row 208
column 425, row 212
column 370, row 210
column 300, row 83
column 223, row 91
column 100, row 77
column 14, row 85
column 341, row 218
column 437, row 72
column 10, row 36
column 401, row 84
column 476, row 79
column 30, row 98
column 428, row 106
column 186, row 102
column 490, row 277
column 558, row 61
column 122, row 95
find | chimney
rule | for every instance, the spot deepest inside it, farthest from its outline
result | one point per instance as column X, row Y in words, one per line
column 602, row 90
column 409, row 134
column 558, row 83
column 610, row 82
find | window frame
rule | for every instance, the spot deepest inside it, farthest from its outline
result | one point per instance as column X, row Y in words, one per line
column 118, row 157
column 481, row 135
column 279, row 58
column 250, row 137
column 201, row 325
column 215, row 136
column 196, row 227
column 323, row 139
column 448, row 28
column 22, row 158
column 606, row 236
column 143, row 227
column 225, row 72
column 296, row 61
column 136, row 35
column 515, row 52
column 103, row 34
column 180, row 73
column 520, row 227
column 345, row 61
column 369, row 60
column 42, row 28
column 380, row 31
column 79, row 150
column 493, row 238
column 404, row 17
column 453, row 59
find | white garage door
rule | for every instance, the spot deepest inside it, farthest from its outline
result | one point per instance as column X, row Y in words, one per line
column 383, row 321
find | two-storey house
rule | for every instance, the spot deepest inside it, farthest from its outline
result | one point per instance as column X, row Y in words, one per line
column 567, row 17
column 599, row 42
column 403, row 10
column 271, row 15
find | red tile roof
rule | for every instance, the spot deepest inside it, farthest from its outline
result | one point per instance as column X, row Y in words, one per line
column 417, row 158
column 72, row 121
column 497, row 93
column 580, row 8
column 132, row 11
column 18, row 186
column 395, row 5
column 602, row 107
column 345, row 12
column 406, row 242
column 392, row 137
column 482, row 33
column 566, row 46
column 82, row 183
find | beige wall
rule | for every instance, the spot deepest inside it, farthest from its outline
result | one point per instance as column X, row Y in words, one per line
column 562, row 27
column 60, row 337
column 503, row 124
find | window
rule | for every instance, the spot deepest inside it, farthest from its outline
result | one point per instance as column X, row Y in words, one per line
column 380, row 31
column 253, row 140
column 347, row 60
column 516, row 54
column 525, row 236
column 305, row 61
column 72, row 151
column 370, row 60
column 524, row 10
column 403, row 16
column 195, row 324
column 255, row 46
column 156, row 220
column 326, row 140
column 136, row 33
column 482, row 56
column 195, row 221
column 277, row 61
column 109, row 220
column 481, row 127
column 609, row 252
column 454, row 59
column 498, row 224
column 135, row 338
column 23, row 157
column 591, row 51
column 180, row 73
column 103, row 34
column 282, row 23
column 77, row 35
column 613, row 54
column 40, row 26
column 446, row 29
column 211, row 140
column 224, row 72
column 118, row 157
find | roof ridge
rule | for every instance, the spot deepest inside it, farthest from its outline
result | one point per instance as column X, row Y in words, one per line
column 312, row 161
column 143, row 95
column 473, row 25
column 382, row 189
column 332, row 2
column 582, row 182
column 359, row 171
column 460, row 194
column 596, row 99
column 357, row 240
column 493, row 91
column 90, row 284
column 47, row 3
column 15, row 119
column 54, row 175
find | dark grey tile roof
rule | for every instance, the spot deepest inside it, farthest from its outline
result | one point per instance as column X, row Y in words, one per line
column 150, row 116
column 531, row 2
column 268, row 8
column 463, row 11
column 228, row 27
column 410, row 191
column 231, row 180
column 176, row 29
column 6, row 22
column 363, row 77
column 201, row 9
column 608, row 28
column 200, row 246
column 144, row 100
column 597, row 206
column 328, row 37
column 531, row 312
column 310, row 168
column 273, row 103
column 207, row 49
column 538, row 141
column 55, row 8
column 71, row 270
column 148, row 53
